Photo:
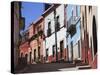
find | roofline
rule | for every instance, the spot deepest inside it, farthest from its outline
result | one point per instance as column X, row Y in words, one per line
column 48, row 9
column 51, row 8
column 38, row 20
column 35, row 22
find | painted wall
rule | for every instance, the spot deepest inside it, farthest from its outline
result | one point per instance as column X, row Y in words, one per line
column 37, row 42
column 61, row 34
column 24, row 48
column 16, row 32
column 34, row 45
column 88, row 12
column 71, row 10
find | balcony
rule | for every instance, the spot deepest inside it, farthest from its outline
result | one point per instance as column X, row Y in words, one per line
column 71, row 24
column 36, row 35
column 40, row 32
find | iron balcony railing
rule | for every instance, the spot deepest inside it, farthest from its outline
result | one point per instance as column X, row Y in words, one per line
column 73, row 21
column 71, row 24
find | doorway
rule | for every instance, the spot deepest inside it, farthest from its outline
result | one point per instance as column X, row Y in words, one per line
column 94, row 30
column 34, row 54
column 71, row 50
column 61, row 49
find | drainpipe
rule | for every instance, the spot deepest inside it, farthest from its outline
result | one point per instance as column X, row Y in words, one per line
column 55, row 19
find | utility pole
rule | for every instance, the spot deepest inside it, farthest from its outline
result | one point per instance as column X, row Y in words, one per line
column 55, row 19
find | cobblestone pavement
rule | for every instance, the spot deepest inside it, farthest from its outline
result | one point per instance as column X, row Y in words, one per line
column 50, row 67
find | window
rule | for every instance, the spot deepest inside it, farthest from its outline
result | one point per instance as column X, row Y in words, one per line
column 57, row 24
column 53, row 48
column 39, row 52
column 49, row 25
column 49, row 29
column 61, row 48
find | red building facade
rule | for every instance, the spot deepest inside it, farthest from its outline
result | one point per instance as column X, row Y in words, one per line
column 36, row 40
column 89, row 35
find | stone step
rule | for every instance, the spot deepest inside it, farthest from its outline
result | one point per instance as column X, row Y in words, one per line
column 84, row 67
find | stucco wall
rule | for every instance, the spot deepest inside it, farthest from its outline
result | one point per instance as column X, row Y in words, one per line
column 61, row 34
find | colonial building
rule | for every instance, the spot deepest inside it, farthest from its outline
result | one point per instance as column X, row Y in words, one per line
column 31, row 30
column 36, row 40
column 55, row 33
column 24, row 48
column 89, row 35
column 17, row 23
column 73, row 32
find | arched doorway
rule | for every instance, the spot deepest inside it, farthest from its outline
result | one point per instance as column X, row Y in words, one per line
column 94, row 31
column 26, row 58
column 21, row 55
column 21, row 59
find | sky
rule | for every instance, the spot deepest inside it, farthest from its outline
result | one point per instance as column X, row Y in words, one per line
column 31, row 11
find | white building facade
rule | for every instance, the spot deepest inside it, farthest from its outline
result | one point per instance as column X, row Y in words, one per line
column 51, row 39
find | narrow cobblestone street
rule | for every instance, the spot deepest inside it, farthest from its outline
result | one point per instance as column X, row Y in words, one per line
column 54, row 41
column 47, row 67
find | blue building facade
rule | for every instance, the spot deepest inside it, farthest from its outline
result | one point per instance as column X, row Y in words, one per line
column 73, row 32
